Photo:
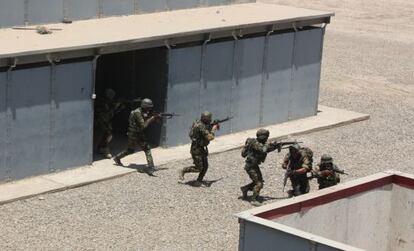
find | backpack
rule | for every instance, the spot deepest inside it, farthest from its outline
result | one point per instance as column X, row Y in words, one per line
column 246, row 147
column 308, row 152
column 192, row 133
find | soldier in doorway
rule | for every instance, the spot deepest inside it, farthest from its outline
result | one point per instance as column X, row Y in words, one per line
column 298, row 162
column 201, row 133
column 139, row 120
column 105, row 109
column 255, row 151
column 327, row 172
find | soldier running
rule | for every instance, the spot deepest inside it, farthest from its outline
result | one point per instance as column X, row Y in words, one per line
column 201, row 133
column 139, row 120
column 298, row 162
column 255, row 151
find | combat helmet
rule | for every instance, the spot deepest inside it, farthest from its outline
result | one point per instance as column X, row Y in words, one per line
column 146, row 103
column 110, row 93
column 262, row 135
column 326, row 158
column 206, row 117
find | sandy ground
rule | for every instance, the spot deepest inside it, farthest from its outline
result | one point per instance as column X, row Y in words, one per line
column 367, row 67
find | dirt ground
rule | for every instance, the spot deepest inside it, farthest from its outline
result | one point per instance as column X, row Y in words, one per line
column 368, row 67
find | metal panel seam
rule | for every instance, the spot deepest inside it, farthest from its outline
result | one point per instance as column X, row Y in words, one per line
column 52, row 111
column 264, row 82
column 320, row 69
column 9, row 118
column 292, row 71
column 235, row 78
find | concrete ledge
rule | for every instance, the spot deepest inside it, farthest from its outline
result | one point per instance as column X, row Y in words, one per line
column 104, row 169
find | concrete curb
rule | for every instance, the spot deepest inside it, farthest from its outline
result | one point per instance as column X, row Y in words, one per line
column 105, row 169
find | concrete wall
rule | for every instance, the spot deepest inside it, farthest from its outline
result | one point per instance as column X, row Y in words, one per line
column 46, row 119
column 361, row 220
column 258, row 237
column 20, row 12
column 258, row 80
column 401, row 220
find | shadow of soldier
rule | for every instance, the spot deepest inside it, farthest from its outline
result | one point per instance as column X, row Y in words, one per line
column 204, row 183
column 144, row 169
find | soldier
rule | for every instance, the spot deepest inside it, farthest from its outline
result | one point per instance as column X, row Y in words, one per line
column 326, row 172
column 298, row 162
column 255, row 151
column 105, row 110
column 139, row 120
column 201, row 133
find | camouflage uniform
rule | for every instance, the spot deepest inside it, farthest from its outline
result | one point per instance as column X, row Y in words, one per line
column 328, row 178
column 201, row 133
column 300, row 182
column 138, row 121
column 105, row 110
column 256, row 154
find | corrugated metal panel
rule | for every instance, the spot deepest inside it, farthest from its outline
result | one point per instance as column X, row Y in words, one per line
column 44, row 11
column 3, row 130
column 11, row 13
column 30, row 90
column 277, row 78
column 216, row 2
column 152, row 5
column 217, row 81
column 73, row 115
column 246, row 95
column 81, row 9
column 117, row 7
column 306, row 73
column 183, row 92
column 182, row 4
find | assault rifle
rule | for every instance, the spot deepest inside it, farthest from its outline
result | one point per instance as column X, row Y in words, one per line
column 331, row 168
column 166, row 115
column 219, row 121
column 283, row 145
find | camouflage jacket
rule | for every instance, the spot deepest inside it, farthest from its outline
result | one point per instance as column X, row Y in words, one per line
column 302, row 161
column 137, row 121
column 105, row 110
column 329, row 180
column 257, row 152
column 201, row 134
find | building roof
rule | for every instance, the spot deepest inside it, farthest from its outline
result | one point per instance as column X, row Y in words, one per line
column 134, row 29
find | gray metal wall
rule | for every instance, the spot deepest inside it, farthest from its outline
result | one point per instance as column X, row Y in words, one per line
column 257, row 237
column 47, row 116
column 259, row 81
column 20, row 12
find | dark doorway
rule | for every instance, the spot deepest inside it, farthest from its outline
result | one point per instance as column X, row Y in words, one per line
column 133, row 75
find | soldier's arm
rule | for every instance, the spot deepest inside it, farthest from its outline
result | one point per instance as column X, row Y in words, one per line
column 207, row 134
column 285, row 162
column 139, row 120
column 306, row 166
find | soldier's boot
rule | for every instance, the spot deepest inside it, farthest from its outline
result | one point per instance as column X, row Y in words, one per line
column 244, row 191
column 118, row 158
column 254, row 200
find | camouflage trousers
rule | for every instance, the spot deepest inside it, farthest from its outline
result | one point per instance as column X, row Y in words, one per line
column 300, row 185
column 200, row 161
column 257, row 179
column 135, row 141
column 104, row 134
column 328, row 182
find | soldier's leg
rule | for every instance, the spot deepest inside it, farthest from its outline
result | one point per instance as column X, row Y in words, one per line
column 130, row 150
column 304, row 185
column 256, row 176
column 196, row 168
column 147, row 150
column 204, row 168
column 296, row 191
column 103, row 147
